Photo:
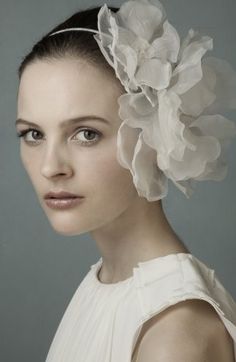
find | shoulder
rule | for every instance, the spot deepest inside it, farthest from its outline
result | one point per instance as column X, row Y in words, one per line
column 190, row 330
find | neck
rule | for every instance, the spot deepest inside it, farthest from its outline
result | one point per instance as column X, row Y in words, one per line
column 142, row 232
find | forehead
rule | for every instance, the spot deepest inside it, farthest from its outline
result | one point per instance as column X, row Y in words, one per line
column 59, row 88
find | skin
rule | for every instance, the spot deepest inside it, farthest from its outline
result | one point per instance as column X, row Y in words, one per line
column 126, row 227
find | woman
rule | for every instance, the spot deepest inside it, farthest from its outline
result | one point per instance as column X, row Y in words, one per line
column 147, row 298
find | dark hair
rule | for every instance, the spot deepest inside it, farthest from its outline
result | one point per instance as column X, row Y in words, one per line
column 71, row 43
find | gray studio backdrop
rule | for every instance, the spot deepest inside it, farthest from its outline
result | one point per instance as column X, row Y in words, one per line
column 40, row 269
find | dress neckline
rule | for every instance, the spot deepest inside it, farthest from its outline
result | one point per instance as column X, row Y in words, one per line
column 97, row 267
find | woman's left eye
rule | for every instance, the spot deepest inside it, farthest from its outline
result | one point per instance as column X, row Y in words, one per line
column 88, row 135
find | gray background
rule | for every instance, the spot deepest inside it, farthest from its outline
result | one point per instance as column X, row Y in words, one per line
column 40, row 269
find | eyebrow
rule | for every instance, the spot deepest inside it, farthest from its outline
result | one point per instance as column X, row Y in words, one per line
column 67, row 122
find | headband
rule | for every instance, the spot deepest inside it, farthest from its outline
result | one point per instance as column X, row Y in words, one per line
column 171, row 123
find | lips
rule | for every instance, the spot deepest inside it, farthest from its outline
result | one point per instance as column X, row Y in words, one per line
column 62, row 198
column 64, row 203
column 61, row 195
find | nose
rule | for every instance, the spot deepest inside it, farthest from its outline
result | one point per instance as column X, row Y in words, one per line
column 55, row 162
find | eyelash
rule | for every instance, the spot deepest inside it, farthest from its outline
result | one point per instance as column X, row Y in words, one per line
column 86, row 143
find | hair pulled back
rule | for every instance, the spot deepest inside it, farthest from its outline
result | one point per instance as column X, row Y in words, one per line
column 70, row 43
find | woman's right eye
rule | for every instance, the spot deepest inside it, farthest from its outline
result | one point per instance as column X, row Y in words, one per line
column 87, row 133
column 25, row 132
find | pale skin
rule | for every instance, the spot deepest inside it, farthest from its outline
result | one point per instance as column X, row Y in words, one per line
column 126, row 227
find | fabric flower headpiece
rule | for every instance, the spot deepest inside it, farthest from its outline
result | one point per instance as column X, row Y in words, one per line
column 171, row 125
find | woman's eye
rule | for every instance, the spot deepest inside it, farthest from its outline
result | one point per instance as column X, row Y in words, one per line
column 25, row 133
column 87, row 139
column 88, row 136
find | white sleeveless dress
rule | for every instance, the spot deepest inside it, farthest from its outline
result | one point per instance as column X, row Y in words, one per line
column 102, row 321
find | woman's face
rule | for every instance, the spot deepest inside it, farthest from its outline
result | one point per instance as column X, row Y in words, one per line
column 67, row 157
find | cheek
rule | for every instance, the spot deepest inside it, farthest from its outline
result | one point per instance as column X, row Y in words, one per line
column 110, row 184
column 30, row 164
column 116, row 178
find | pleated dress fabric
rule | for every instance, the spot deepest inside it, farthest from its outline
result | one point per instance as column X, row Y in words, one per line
column 102, row 321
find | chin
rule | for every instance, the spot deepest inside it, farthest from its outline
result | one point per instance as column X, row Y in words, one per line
column 66, row 225
column 66, row 230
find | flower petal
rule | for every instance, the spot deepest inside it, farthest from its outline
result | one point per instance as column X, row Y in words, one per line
column 129, row 111
column 149, row 180
column 201, row 95
column 217, row 126
column 141, row 17
column 167, row 45
column 126, row 141
column 154, row 73
column 189, row 71
column 225, row 85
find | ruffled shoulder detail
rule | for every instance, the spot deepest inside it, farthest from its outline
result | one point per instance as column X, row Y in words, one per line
column 168, row 280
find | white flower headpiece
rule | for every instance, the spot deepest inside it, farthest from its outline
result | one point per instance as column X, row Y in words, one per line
column 171, row 125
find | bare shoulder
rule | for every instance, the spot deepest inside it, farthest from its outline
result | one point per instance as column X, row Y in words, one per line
column 190, row 330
